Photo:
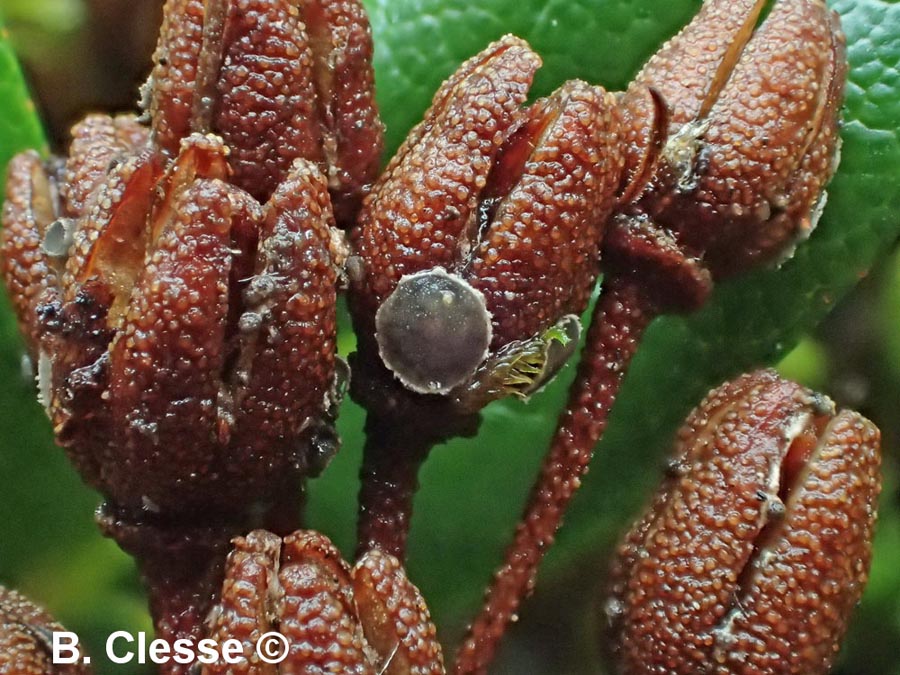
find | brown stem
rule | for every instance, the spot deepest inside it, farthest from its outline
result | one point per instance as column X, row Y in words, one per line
column 182, row 560
column 401, row 429
column 286, row 512
column 182, row 568
column 181, row 600
column 621, row 316
column 389, row 480
column 397, row 444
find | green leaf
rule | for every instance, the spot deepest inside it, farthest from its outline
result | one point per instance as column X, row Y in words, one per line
column 19, row 125
column 24, row 431
column 458, row 533
column 890, row 317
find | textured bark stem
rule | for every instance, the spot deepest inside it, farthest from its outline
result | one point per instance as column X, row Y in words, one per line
column 401, row 429
column 180, row 600
column 181, row 566
column 389, row 479
column 620, row 318
column 182, row 561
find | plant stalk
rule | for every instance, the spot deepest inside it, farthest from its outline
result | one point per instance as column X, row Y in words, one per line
column 621, row 316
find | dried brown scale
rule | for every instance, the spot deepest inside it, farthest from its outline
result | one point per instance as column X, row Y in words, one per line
column 170, row 101
column 278, row 81
column 816, row 532
column 97, row 141
column 368, row 619
column 77, row 335
column 394, row 617
column 172, row 344
column 110, row 238
column 265, row 121
column 287, row 362
column 26, row 632
column 703, row 55
column 559, row 204
column 242, row 613
column 316, row 609
column 352, row 142
column 753, row 555
column 72, row 316
column 75, row 329
column 752, row 140
column 645, row 132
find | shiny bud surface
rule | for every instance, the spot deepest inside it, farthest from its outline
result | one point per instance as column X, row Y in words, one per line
column 26, row 639
column 278, row 80
column 756, row 547
column 752, row 130
column 366, row 619
column 508, row 198
column 185, row 342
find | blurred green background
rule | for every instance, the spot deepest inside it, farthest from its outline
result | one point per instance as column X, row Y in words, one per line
column 830, row 318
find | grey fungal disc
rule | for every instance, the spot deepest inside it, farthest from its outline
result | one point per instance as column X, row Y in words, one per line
column 433, row 331
column 58, row 238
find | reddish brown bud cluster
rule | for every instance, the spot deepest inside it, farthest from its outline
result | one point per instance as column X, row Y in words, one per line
column 730, row 137
column 185, row 338
column 474, row 254
column 752, row 121
column 501, row 206
column 277, row 80
column 366, row 620
column 177, row 283
column 177, row 290
column 757, row 545
column 26, row 639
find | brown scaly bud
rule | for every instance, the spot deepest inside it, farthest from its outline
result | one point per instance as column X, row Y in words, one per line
column 485, row 228
column 752, row 126
column 26, row 639
column 277, row 80
column 176, row 285
column 475, row 252
column 730, row 137
column 184, row 336
column 756, row 547
column 332, row 618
